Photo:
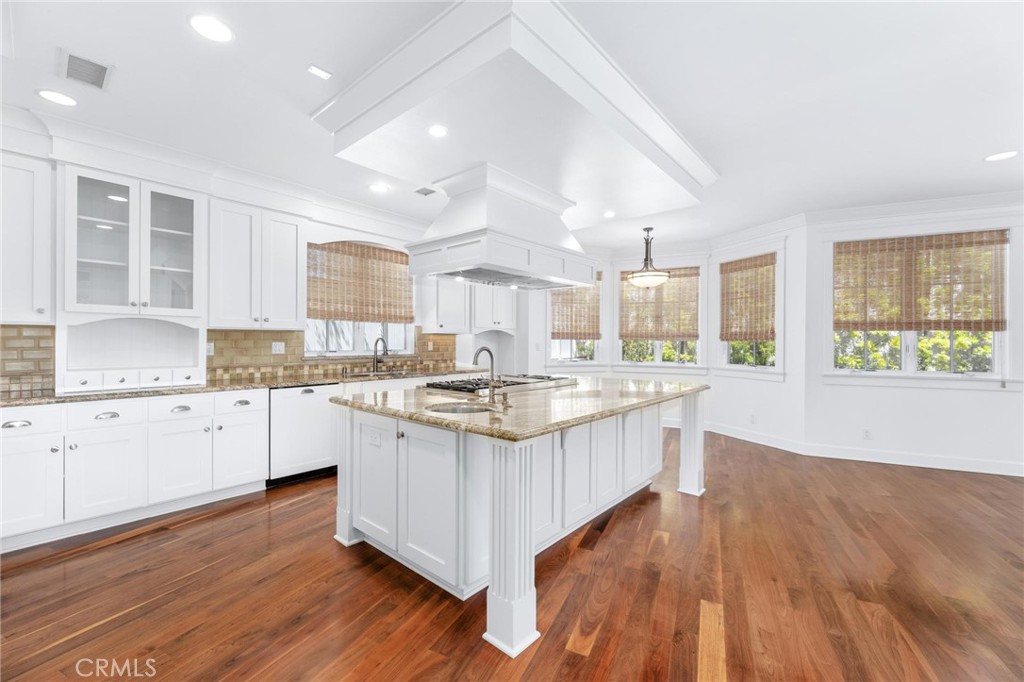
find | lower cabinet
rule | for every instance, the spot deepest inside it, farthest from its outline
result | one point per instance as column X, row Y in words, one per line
column 180, row 459
column 580, row 488
column 105, row 471
column 31, row 483
column 304, row 428
column 375, row 478
column 241, row 449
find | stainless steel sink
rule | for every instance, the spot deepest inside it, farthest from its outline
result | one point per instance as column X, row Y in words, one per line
column 459, row 408
column 377, row 375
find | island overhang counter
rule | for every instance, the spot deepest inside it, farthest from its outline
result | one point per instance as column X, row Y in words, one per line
column 468, row 499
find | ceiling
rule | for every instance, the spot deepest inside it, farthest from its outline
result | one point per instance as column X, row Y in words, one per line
column 798, row 106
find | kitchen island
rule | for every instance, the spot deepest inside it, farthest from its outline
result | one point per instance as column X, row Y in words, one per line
column 468, row 498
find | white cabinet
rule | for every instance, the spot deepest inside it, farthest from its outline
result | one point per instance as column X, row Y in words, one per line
column 428, row 498
column 105, row 471
column 547, row 490
column 304, row 429
column 632, row 452
column 442, row 305
column 132, row 247
column 494, row 307
column 31, row 483
column 180, row 459
column 26, row 258
column 257, row 268
column 607, row 472
column 375, row 477
column 241, row 449
column 580, row 482
column 651, row 440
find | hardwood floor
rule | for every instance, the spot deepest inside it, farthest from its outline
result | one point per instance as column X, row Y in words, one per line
column 789, row 568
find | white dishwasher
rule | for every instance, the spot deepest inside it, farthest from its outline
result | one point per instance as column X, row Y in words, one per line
column 304, row 428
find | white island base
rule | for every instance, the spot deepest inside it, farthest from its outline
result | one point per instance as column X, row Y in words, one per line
column 469, row 511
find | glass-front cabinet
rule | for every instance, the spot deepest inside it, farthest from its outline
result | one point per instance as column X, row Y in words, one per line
column 132, row 247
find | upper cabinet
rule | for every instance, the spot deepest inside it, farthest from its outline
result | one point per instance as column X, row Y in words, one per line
column 442, row 305
column 132, row 247
column 257, row 268
column 494, row 307
column 26, row 293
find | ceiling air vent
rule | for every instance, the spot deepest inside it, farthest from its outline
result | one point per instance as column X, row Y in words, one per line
column 425, row 191
column 84, row 70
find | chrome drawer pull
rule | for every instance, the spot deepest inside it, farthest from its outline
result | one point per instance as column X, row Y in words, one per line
column 54, row 450
column 83, row 382
column 17, row 424
column 156, row 378
column 307, row 390
column 187, row 377
column 206, row 429
column 107, row 415
column 242, row 403
column 181, row 408
column 73, row 446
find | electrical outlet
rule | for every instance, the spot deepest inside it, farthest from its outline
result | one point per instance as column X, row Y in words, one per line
column 209, row 349
column 277, row 348
column 866, row 434
column 753, row 418
column 430, row 345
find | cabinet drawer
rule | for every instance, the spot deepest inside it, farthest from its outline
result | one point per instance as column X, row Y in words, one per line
column 155, row 378
column 188, row 376
column 96, row 414
column 29, row 420
column 231, row 402
column 177, row 407
column 120, row 380
column 83, row 381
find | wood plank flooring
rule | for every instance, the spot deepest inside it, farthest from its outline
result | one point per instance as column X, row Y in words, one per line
column 789, row 568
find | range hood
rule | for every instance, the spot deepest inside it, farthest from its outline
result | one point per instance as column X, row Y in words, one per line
column 499, row 229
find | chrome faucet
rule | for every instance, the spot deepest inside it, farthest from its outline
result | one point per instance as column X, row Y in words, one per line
column 376, row 359
column 491, row 384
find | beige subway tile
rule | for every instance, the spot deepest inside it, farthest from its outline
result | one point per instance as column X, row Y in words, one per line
column 18, row 366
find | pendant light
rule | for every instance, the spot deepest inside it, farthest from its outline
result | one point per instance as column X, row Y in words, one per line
column 648, row 276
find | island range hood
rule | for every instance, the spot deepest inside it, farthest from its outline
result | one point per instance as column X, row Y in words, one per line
column 500, row 229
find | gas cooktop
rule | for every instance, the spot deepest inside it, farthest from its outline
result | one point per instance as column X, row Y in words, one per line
column 505, row 383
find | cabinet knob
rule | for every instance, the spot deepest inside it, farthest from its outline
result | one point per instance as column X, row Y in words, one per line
column 156, row 378
column 187, row 377
column 83, row 382
column 40, row 310
column 255, row 319
column 400, row 434
column 441, row 326
column 121, row 380
column 145, row 304
column 266, row 319
column 54, row 449
column 220, row 427
column 132, row 303
column 206, row 429
column 73, row 446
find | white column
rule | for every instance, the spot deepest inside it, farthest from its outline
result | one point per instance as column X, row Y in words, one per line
column 346, row 533
column 691, row 444
column 511, row 595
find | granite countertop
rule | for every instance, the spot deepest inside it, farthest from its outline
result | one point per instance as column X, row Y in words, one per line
column 530, row 413
column 214, row 388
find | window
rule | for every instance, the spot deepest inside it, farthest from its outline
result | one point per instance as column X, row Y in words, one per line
column 931, row 303
column 576, row 322
column 748, row 310
column 356, row 293
column 661, row 324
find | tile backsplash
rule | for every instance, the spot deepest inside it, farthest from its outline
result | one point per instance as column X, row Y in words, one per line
column 26, row 360
column 245, row 356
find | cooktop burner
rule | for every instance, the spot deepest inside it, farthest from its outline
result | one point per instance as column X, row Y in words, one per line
column 505, row 383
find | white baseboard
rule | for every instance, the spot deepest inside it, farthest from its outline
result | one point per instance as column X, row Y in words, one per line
column 916, row 459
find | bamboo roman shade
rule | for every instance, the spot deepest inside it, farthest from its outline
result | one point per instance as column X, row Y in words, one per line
column 932, row 282
column 358, row 282
column 576, row 312
column 668, row 312
column 748, row 299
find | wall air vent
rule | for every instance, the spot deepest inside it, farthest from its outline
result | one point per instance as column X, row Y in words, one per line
column 426, row 191
column 84, row 70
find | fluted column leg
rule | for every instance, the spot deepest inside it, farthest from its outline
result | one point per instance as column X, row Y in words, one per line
column 346, row 533
column 511, row 595
column 691, row 444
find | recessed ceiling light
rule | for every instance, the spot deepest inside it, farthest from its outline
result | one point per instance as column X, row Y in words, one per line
column 1001, row 156
column 609, row 214
column 57, row 98
column 380, row 188
column 210, row 28
column 437, row 131
column 514, row 287
column 318, row 72
column 104, row 227
column 114, row 197
column 460, row 278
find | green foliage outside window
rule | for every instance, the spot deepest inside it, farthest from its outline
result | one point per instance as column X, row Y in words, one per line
column 677, row 352
column 965, row 352
column 638, row 351
column 754, row 353
column 868, row 350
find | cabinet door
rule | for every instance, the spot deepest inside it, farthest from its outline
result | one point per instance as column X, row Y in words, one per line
column 31, row 483
column 234, row 274
column 171, row 264
column 375, row 477
column 180, row 459
column 428, row 498
column 26, row 291
column 547, row 490
column 241, row 449
column 283, row 272
column 452, row 306
column 606, row 460
column 101, row 235
column 580, row 499
column 483, row 306
column 651, row 445
column 632, row 460
column 304, row 429
column 105, row 471
column 503, row 307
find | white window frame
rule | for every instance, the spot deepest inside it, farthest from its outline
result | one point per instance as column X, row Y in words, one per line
column 600, row 347
column 360, row 346
column 1006, row 369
